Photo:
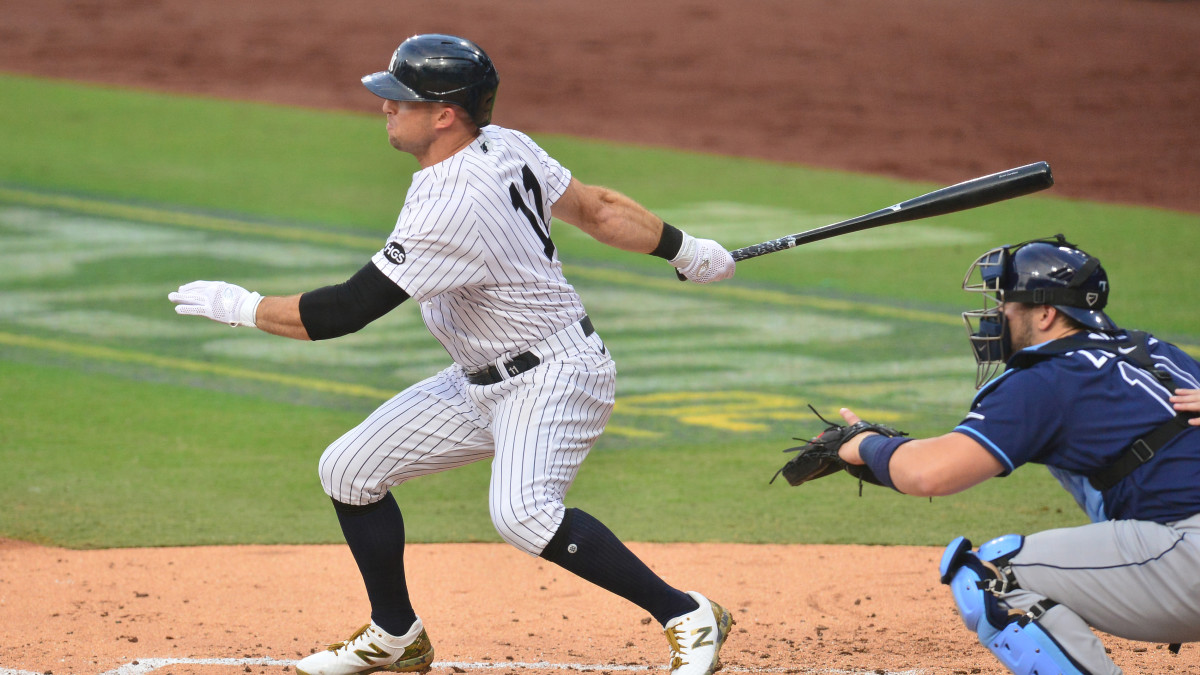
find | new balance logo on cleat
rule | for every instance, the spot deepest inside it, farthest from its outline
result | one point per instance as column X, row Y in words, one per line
column 704, row 633
column 376, row 653
column 371, row 649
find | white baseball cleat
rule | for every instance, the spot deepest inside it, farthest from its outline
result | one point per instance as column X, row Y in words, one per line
column 372, row 649
column 696, row 638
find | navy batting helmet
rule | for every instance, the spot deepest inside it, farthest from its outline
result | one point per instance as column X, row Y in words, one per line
column 1050, row 271
column 441, row 69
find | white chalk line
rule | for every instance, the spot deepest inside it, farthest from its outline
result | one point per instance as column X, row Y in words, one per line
column 141, row 666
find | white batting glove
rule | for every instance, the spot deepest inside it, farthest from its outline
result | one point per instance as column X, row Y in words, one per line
column 217, row 300
column 703, row 260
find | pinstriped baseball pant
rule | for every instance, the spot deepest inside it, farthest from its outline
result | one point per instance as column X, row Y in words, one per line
column 536, row 427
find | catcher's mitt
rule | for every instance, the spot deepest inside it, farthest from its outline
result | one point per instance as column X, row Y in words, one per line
column 819, row 456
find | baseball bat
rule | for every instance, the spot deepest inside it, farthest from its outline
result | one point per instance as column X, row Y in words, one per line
column 976, row 192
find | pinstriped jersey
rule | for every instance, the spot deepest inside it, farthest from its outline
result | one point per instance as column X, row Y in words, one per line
column 472, row 245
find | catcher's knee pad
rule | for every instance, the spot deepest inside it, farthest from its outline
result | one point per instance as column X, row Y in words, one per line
column 972, row 578
column 1016, row 638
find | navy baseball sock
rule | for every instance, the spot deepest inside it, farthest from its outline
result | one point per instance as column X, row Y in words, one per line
column 588, row 549
column 375, row 534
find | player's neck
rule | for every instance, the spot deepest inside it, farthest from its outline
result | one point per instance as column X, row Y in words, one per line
column 446, row 146
column 1058, row 332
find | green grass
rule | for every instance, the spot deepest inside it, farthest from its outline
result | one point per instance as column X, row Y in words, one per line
column 124, row 425
column 97, row 460
column 336, row 170
column 190, row 151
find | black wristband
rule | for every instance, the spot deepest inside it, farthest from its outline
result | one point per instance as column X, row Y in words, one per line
column 669, row 243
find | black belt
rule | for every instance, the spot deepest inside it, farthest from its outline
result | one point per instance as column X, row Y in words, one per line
column 519, row 363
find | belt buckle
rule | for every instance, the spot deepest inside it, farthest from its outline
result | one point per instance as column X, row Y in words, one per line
column 521, row 363
column 500, row 370
column 1142, row 451
column 505, row 369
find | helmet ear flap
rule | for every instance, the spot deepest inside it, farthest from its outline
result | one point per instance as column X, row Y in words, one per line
column 485, row 100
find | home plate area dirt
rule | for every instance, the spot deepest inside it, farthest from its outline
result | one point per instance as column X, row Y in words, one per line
column 488, row 607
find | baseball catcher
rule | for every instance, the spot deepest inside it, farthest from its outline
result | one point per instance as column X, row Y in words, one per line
column 1111, row 413
column 819, row 456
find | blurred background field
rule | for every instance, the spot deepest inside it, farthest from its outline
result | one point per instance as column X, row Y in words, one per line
column 124, row 425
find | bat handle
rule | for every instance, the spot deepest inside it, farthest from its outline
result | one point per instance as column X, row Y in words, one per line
column 740, row 254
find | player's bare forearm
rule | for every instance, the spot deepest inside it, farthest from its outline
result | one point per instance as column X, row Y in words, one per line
column 280, row 315
column 614, row 219
column 623, row 223
column 943, row 465
column 609, row 217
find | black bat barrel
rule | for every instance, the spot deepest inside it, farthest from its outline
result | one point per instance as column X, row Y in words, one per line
column 980, row 191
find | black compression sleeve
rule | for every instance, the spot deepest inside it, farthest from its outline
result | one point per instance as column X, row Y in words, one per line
column 334, row 311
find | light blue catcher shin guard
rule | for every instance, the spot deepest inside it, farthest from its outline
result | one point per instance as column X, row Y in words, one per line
column 1015, row 637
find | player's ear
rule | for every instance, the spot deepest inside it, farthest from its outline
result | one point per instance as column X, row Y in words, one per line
column 1045, row 316
column 447, row 115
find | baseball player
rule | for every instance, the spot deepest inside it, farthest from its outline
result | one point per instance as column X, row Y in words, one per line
column 1092, row 402
column 531, row 385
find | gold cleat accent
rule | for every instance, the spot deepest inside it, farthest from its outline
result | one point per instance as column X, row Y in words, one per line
column 360, row 654
column 696, row 639
column 417, row 657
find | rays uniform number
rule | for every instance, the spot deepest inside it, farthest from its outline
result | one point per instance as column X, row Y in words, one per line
column 538, row 221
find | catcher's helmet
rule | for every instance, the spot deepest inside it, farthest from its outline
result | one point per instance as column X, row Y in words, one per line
column 1049, row 271
column 442, row 69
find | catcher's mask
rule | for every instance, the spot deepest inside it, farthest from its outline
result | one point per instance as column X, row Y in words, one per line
column 442, row 69
column 1049, row 271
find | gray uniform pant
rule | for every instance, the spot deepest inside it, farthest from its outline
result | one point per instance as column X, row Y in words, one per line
column 1134, row 579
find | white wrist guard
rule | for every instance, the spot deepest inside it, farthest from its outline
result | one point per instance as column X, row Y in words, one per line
column 247, row 311
column 687, row 252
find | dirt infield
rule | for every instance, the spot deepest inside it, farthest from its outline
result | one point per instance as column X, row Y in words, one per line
column 938, row 90
column 210, row 610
